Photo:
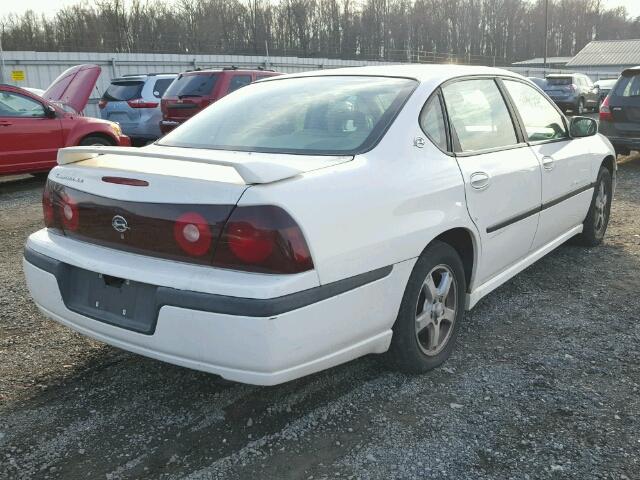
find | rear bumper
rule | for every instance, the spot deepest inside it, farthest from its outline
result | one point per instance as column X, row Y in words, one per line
column 625, row 143
column 259, row 341
column 167, row 125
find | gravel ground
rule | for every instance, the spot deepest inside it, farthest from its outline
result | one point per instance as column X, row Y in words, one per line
column 543, row 384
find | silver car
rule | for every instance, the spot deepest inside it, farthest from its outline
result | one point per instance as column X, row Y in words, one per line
column 133, row 101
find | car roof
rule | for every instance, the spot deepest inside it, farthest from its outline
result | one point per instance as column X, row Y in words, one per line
column 234, row 70
column 143, row 76
column 562, row 75
column 431, row 73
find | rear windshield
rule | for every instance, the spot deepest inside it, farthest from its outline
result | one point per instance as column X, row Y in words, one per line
column 199, row 85
column 559, row 81
column 328, row 115
column 628, row 86
column 123, row 91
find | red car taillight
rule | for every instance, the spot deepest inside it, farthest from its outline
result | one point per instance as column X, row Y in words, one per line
column 193, row 234
column 102, row 103
column 605, row 110
column 262, row 239
column 140, row 103
column 48, row 208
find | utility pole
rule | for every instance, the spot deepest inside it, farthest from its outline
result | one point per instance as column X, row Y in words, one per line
column 1, row 56
column 546, row 32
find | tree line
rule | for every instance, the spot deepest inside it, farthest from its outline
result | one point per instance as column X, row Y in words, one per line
column 471, row 31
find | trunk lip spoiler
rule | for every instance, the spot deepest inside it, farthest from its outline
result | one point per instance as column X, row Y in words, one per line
column 252, row 171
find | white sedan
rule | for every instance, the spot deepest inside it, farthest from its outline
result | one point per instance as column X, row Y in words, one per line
column 309, row 219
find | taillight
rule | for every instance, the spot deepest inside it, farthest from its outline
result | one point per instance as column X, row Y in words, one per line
column 48, row 208
column 262, row 239
column 141, row 103
column 605, row 110
column 193, row 234
column 102, row 103
column 69, row 212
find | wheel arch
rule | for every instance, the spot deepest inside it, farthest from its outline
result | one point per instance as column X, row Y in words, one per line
column 106, row 136
column 465, row 243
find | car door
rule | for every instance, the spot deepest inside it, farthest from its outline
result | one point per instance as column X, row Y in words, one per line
column 565, row 162
column 29, row 140
column 501, row 173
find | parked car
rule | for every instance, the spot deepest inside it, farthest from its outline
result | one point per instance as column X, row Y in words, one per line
column 315, row 218
column 195, row 90
column 134, row 102
column 540, row 82
column 33, row 127
column 573, row 91
column 620, row 112
column 604, row 87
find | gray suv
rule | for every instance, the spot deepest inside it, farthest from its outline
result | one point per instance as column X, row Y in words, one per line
column 133, row 101
column 572, row 91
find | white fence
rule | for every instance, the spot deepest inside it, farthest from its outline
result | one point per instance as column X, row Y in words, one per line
column 39, row 69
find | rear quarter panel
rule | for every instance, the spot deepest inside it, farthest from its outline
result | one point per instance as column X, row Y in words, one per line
column 381, row 208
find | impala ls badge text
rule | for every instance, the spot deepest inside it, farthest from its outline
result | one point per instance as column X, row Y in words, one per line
column 119, row 224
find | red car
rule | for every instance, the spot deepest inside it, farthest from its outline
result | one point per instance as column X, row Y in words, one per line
column 33, row 128
column 193, row 91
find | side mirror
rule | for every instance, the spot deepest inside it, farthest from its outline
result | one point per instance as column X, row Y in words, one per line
column 50, row 112
column 583, row 127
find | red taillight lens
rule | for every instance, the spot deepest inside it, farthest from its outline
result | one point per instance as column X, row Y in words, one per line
column 48, row 209
column 605, row 110
column 140, row 103
column 192, row 233
column 102, row 103
column 263, row 239
column 69, row 212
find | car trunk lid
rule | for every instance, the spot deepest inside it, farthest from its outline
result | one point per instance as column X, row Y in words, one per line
column 74, row 86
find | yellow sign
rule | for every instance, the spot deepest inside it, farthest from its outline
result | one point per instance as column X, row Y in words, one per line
column 18, row 75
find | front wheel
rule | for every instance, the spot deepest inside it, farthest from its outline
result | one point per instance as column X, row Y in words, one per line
column 595, row 225
column 93, row 140
column 431, row 310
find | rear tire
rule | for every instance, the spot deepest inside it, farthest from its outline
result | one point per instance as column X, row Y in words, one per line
column 95, row 140
column 432, row 308
column 595, row 225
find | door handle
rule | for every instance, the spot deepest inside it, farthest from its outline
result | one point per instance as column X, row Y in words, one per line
column 548, row 163
column 4, row 123
column 479, row 180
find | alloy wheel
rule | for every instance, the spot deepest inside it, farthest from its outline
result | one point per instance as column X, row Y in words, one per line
column 600, row 204
column 436, row 310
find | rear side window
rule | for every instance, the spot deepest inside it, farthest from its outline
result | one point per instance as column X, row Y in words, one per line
column 196, row 85
column 478, row 115
column 541, row 120
column 239, row 81
column 123, row 91
column 432, row 122
column 559, row 81
column 161, row 86
column 628, row 86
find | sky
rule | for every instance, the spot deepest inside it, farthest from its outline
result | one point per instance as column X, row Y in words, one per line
column 49, row 7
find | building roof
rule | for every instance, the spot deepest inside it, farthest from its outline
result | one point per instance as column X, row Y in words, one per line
column 540, row 61
column 608, row 52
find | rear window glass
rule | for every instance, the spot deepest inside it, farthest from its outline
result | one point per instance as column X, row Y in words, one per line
column 161, row 86
column 328, row 115
column 123, row 91
column 199, row 85
column 628, row 86
column 559, row 81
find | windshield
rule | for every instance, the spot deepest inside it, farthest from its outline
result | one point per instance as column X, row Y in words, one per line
column 195, row 85
column 325, row 115
column 123, row 91
column 559, row 81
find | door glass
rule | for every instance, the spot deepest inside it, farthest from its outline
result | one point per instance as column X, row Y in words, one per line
column 16, row 105
column 478, row 115
column 239, row 81
column 541, row 120
column 432, row 122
